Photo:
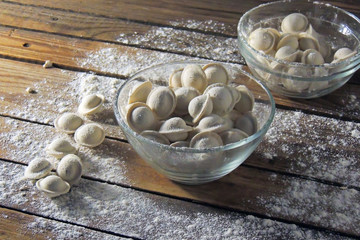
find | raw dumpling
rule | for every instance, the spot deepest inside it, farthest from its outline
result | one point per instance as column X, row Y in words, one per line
column 91, row 104
column 90, row 135
column 70, row 169
column 59, row 148
column 68, row 122
column 53, row 186
column 38, row 168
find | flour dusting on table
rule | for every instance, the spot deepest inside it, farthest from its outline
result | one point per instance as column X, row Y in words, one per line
column 121, row 210
column 333, row 156
column 98, row 204
column 127, row 62
column 186, row 42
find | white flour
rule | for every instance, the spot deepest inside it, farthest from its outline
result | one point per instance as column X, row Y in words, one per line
column 128, row 61
column 182, row 41
column 318, row 203
column 331, row 157
column 59, row 230
column 122, row 210
column 205, row 25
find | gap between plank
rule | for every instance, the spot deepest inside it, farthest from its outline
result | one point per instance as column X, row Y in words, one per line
column 294, row 175
column 201, row 203
column 67, row 222
column 122, row 77
column 212, row 33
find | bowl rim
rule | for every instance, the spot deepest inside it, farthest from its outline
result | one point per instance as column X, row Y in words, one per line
column 127, row 130
column 345, row 62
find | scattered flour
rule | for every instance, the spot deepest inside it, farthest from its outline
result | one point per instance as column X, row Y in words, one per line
column 128, row 61
column 27, row 141
column 60, row 231
column 96, row 204
column 206, row 25
column 191, row 43
column 297, row 142
column 121, row 210
column 320, row 204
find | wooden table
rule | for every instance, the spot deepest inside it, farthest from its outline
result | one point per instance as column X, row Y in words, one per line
column 303, row 181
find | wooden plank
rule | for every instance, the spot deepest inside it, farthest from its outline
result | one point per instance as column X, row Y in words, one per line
column 185, row 14
column 120, row 31
column 245, row 189
column 125, row 32
column 121, row 211
column 310, row 145
column 17, row 225
column 118, row 60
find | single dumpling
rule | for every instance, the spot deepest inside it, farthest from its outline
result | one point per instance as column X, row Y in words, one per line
column 175, row 79
column 307, row 41
column 139, row 92
column 183, row 97
column 342, row 54
column 211, row 159
column 222, row 98
column 91, row 104
column 232, row 135
column 247, row 100
column 194, row 76
column 313, row 57
column 294, row 85
column 68, row 122
column 247, row 123
column 70, row 169
column 216, row 73
column 287, row 53
column 294, row 23
column 175, row 129
column 60, row 147
column 53, row 186
column 200, row 107
column 288, row 39
column 38, row 168
column 90, row 135
column 213, row 123
column 180, row 144
column 155, row 136
column 262, row 39
column 206, row 140
column 140, row 117
column 162, row 101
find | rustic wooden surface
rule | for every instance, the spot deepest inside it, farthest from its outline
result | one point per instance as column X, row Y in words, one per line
column 270, row 190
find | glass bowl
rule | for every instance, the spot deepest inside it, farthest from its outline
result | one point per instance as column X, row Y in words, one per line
column 337, row 29
column 189, row 165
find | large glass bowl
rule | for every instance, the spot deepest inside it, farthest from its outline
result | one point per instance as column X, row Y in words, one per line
column 189, row 165
column 339, row 29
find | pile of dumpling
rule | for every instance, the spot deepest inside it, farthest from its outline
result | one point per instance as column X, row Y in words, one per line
column 296, row 42
column 199, row 108
column 69, row 168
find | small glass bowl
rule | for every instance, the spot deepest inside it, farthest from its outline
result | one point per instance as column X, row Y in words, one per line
column 188, row 165
column 341, row 29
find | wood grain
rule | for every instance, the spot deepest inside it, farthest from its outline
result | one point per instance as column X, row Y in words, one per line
column 121, row 31
column 245, row 189
column 305, row 171
column 224, row 15
column 75, row 54
column 17, row 225
column 89, row 205
column 125, row 32
column 58, row 91
column 114, row 29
